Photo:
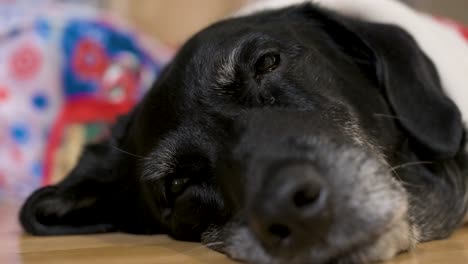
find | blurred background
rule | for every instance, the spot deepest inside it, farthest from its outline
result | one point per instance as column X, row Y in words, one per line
column 69, row 67
column 174, row 21
column 455, row 9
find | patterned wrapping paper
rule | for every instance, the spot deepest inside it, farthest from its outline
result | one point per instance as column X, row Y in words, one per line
column 63, row 65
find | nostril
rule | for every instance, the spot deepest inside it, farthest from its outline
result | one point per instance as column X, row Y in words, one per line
column 281, row 232
column 306, row 196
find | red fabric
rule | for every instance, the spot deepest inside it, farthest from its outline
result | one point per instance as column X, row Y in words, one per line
column 464, row 31
column 79, row 111
column 461, row 28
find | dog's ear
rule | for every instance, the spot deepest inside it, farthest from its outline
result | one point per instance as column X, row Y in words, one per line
column 408, row 78
column 413, row 88
column 97, row 196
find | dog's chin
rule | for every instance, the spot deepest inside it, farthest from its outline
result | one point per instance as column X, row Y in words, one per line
column 398, row 237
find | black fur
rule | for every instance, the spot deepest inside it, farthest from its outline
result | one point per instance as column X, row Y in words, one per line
column 219, row 116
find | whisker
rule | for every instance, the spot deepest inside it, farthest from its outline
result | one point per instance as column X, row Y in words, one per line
column 411, row 185
column 217, row 243
column 413, row 163
column 387, row 116
column 202, row 247
column 131, row 154
column 395, row 173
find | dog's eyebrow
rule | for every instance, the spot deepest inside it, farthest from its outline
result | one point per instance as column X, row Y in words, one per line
column 226, row 74
column 160, row 164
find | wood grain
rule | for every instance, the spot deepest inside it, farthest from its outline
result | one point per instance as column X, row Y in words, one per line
column 16, row 247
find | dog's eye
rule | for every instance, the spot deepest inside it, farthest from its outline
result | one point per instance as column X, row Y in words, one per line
column 178, row 185
column 267, row 63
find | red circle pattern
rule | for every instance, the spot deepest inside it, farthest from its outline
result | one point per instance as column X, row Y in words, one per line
column 89, row 60
column 4, row 94
column 25, row 62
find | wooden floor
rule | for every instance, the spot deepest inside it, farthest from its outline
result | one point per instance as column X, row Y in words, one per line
column 16, row 247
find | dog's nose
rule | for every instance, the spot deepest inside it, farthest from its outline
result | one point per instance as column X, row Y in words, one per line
column 291, row 211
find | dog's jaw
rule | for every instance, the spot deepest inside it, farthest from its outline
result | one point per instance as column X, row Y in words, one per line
column 401, row 236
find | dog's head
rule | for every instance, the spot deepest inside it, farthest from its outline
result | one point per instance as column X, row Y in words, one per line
column 286, row 135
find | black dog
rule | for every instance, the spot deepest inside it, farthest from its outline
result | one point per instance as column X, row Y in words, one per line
column 296, row 135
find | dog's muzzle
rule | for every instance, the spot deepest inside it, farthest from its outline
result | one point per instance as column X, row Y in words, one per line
column 292, row 210
column 304, row 188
